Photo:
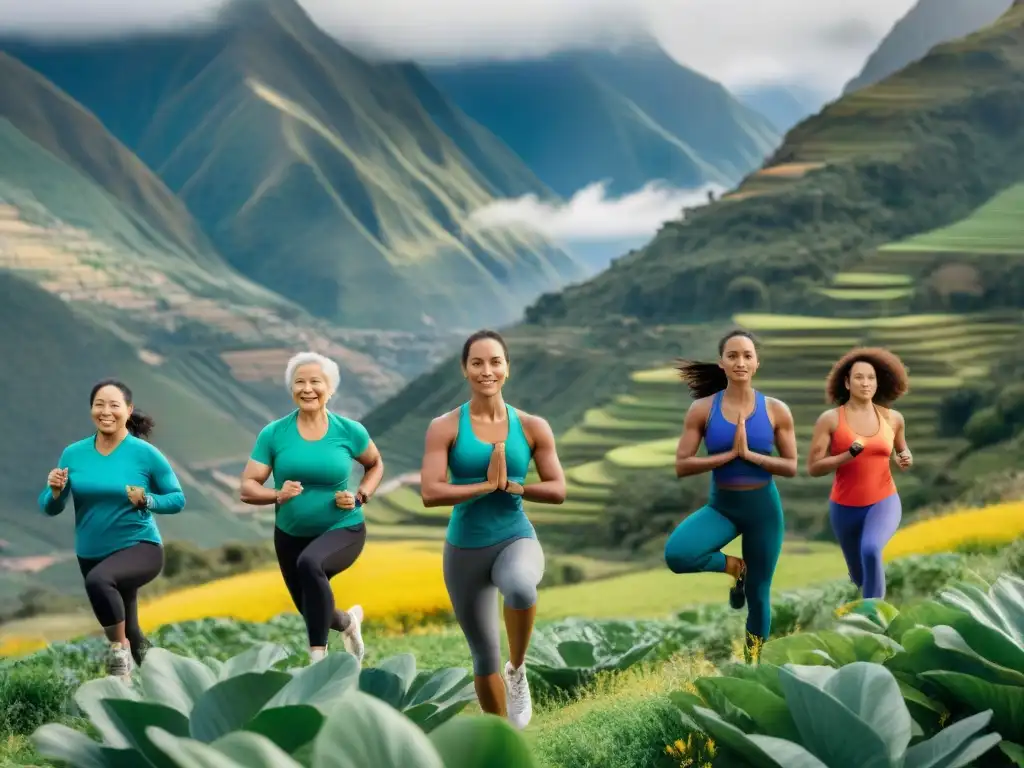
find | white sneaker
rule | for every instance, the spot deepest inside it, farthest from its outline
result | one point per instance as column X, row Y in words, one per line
column 517, row 696
column 353, row 636
column 119, row 661
column 317, row 654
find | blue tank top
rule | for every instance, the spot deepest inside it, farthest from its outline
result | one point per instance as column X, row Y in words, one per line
column 720, row 433
column 497, row 516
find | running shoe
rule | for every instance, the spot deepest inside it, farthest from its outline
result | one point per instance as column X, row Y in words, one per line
column 352, row 637
column 119, row 661
column 737, row 595
column 517, row 696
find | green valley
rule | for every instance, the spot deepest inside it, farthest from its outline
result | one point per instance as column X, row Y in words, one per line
column 351, row 183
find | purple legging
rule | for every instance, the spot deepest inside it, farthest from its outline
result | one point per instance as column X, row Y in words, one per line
column 863, row 533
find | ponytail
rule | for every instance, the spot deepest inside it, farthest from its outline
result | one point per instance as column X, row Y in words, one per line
column 703, row 379
column 140, row 425
column 706, row 379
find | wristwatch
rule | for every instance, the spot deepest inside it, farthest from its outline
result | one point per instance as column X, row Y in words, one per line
column 149, row 501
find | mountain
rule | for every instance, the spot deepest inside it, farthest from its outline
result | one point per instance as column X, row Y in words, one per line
column 927, row 24
column 844, row 238
column 783, row 105
column 858, row 175
column 627, row 116
column 331, row 180
column 911, row 153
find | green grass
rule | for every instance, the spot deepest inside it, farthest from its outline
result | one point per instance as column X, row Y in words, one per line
column 994, row 229
column 877, row 279
column 865, row 294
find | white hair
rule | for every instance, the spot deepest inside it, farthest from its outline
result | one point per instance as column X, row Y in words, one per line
column 328, row 366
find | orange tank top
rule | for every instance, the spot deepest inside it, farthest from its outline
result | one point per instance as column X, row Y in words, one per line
column 868, row 478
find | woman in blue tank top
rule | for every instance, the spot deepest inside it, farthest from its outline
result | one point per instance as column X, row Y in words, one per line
column 740, row 427
column 476, row 460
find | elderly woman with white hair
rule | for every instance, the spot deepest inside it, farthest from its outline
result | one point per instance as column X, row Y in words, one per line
column 319, row 528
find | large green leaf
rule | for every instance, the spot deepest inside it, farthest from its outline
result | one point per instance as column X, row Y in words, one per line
column 364, row 732
column 319, row 685
column 954, row 746
column 1013, row 751
column 922, row 707
column 925, row 614
column 58, row 742
column 230, row 704
column 830, row 647
column 384, row 685
column 290, row 727
column 768, row 712
column 237, row 750
column 403, row 666
column 134, row 717
column 943, row 648
column 763, row 673
column 878, row 613
column 1005, row 701
column 175, row 681
column 726, row 709
column 749, row 749
column 258, row 658
column 828, row 728
column 872, row 693
column 90, row 696
column 1001, row 608
column 686, row 702
column 484, row 741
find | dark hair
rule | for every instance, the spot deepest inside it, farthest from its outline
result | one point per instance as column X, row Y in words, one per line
column 139, row 424
column 483, row 334
column 893, row 380
column 705, row 379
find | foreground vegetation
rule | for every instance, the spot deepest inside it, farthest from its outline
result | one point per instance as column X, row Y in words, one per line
column 609, row 693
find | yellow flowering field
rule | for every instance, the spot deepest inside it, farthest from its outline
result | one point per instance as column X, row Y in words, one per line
column 389, row 578
column 995, row 524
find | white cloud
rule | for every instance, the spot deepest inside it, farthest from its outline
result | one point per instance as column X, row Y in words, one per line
column 591, row 216
column 819, row 43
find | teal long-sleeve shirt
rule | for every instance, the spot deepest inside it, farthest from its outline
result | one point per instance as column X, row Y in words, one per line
column 105, row 519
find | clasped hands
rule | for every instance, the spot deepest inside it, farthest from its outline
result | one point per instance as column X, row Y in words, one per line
column 497, row 473
column 740, row 449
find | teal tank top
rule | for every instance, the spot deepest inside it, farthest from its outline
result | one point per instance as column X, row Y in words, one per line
column 497, row 516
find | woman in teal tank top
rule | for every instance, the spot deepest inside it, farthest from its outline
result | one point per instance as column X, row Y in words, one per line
column 476, row 460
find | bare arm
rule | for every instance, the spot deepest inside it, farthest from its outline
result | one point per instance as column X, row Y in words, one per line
column 373, row 472
column 785, row 464
column 819, row 462
column 551, row 488
column 903, row 456
column 687, row 461
column 435, row 490
column 253, row 490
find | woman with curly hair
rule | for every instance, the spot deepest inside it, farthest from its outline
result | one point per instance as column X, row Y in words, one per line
column 855, row 440
column 740, row 427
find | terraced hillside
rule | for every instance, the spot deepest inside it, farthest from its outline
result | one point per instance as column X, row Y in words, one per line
column 914, row 152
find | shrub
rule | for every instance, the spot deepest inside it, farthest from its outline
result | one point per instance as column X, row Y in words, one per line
column 30, row 697
column 986, row 427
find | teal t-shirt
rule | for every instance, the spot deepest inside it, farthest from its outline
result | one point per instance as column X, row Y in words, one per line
column 498, row 515
column 105, row 519
column 322, row 466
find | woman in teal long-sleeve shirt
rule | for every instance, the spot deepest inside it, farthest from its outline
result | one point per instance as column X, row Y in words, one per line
column 118, row 481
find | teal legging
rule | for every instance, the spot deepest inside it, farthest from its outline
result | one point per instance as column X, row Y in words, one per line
column 756, row 515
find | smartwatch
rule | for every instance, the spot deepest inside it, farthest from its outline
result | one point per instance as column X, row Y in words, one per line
column 856, row 448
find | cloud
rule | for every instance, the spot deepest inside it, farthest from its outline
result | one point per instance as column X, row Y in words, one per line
column 591, row 216
column 819, row 43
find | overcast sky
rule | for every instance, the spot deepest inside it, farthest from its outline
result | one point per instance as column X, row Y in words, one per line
column 815, row 43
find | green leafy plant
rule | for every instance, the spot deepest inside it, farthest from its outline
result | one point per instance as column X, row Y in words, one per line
column 569, row 655
column 428, row 699
column 207, row 700
column 847, row 718
column 359, row 731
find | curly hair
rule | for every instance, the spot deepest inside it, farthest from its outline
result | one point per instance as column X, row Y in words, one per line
column 893, row 379
column 705, row 379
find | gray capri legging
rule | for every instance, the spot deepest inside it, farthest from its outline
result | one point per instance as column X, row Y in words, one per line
column 474, row 577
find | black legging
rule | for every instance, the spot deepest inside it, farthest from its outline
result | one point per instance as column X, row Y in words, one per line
column 308, row 564
column 113, row 583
